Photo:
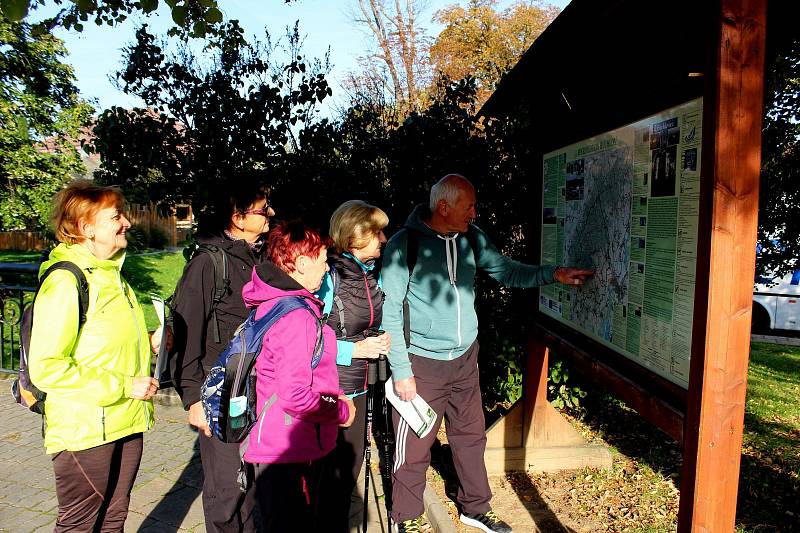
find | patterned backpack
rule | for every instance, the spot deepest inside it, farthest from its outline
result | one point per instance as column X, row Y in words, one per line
column 228, row 394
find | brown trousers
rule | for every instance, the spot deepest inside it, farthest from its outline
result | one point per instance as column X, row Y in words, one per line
column 452, row 389
column 94, row 486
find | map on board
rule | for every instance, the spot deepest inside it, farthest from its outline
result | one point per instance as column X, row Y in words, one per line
column 625, row 204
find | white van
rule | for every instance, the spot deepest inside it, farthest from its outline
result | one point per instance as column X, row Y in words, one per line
column 776, row 303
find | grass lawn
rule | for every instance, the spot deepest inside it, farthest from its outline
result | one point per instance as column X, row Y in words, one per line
column 153, row 273
column 641, row 491
column 12, row 256
column 769, row 482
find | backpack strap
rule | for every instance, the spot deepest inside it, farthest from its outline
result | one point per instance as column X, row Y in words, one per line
column 472, row 239
column 83, row 286
column 337, row 301
column 222, row 281
column 281, row 308
column 412, row 252
column 23, row 389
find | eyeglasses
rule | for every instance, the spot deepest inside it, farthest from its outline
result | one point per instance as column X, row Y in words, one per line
column 264, row 211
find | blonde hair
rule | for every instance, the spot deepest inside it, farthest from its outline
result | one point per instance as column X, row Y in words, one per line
column 81, row 200
column 354, row 223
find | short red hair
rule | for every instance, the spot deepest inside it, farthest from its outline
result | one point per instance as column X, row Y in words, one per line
column 289, row 240
column 81, row 200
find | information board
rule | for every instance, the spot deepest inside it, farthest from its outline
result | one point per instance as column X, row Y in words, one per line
column 625, row 204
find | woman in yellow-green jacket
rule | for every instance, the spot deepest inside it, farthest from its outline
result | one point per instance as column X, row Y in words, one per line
column 96, row 376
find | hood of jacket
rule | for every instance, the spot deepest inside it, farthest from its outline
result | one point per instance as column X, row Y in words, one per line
column 81, row 256
column 235, row 247
column 269, row 283
column 416, row 220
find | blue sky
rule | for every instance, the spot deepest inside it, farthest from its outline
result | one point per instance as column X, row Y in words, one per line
column 96, row 52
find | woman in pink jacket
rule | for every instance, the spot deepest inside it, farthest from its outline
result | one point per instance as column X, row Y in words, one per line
column 299, row 402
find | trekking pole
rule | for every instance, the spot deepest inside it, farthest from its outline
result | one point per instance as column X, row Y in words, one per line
column 387, row 441
column 372, row 377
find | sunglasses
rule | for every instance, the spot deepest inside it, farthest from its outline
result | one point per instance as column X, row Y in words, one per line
column 264, row 211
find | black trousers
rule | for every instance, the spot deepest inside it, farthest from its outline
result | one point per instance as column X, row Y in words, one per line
column 293, row 497
column 452, row 389
column 346, row 460
column 93, row 486
column 226, row 508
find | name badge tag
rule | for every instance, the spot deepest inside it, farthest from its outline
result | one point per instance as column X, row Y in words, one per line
column 237, row 406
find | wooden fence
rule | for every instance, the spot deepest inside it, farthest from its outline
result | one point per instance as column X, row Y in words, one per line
column 28, row 241
column 143, row 215
column 148, row 217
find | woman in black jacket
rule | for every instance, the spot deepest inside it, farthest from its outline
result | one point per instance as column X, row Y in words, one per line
column 208, row 307
column 352, row 292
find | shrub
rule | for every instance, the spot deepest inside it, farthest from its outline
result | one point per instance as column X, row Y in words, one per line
column 562, row 391
column 159, row 239
column 138, row 238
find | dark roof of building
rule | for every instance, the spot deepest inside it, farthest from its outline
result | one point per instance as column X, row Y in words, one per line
column 606, row 63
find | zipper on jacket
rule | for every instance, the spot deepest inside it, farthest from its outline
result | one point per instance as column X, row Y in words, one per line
column 319, row 435
column 369, row 301
column 452, row 267
column 103, row 422
column 133, row 314
column 267, row 404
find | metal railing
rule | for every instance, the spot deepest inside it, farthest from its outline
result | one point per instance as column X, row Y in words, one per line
column 17, row 286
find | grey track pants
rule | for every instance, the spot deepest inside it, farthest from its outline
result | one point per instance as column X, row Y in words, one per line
column 452, row 389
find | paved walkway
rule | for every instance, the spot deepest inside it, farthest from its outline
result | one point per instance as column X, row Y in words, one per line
column 165, row 498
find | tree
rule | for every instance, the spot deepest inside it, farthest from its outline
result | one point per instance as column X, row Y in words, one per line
column 397, row 71
column 209, row 118
column 779, row 197
column 40, row 116
column 485, row 43
column 195, row 17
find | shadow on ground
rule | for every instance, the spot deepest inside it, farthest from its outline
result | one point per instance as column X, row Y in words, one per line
column 529, row 497
column 170, row 512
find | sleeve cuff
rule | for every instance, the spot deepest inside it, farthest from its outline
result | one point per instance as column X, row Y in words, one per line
column 344, row 412
column 127, row 387
column 549, row 273
column 344, row 354
column 189, row 398
column 403, row 372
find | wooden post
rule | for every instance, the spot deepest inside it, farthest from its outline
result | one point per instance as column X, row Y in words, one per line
column 718, row 376
column 533, row 435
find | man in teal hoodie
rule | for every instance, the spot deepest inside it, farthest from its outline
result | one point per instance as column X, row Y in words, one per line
column 440, row 361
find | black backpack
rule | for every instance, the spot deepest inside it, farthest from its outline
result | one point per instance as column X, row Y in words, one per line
column 24, row 391
column 222, row 280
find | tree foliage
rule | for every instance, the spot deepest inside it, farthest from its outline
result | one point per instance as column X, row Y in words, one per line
column 41, row 114
column 480, row 41
column 191, row 17
column 228, row 109
column 380, row 155
column 779, row 198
